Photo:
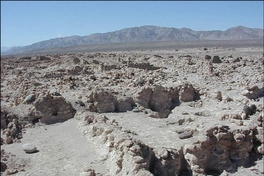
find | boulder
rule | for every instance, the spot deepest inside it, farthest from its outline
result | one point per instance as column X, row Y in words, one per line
column 124, row 104
column 42, row 58
column 52, row 109
column 76, row 60
column 187, row 93
column 247, row 110
column 216, row 60
column 76, row 70
column 143, row 96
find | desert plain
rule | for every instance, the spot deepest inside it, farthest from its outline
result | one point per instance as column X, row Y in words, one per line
column 162, row 112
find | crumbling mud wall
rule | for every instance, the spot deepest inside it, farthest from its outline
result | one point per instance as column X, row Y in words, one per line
column 222, row 148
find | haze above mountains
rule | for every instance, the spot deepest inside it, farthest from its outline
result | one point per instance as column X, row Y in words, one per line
column 140, row 34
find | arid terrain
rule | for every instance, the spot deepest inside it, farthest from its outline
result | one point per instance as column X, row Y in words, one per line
column 162, row 112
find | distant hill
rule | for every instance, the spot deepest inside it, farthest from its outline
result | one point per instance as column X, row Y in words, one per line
column 143, row 34
column 6, row 48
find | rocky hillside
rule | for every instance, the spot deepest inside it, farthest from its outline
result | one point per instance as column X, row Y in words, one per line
column 143, row 34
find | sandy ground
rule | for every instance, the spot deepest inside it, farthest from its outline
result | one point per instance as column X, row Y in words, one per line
column 63, row 150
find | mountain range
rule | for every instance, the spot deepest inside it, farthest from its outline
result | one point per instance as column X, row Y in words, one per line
column 6, row 48
column 142, row 34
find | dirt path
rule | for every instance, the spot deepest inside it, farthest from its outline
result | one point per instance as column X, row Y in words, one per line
column 63, row 150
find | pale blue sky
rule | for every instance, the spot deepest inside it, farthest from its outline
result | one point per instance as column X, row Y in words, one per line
column 27, row 22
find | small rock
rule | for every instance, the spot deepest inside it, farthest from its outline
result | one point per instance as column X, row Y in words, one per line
column 2, row 141
column 80, row 102
column 88, row 172
column 93, row 77
column 29, row 148
column 185, row 134
column 207, row 57
column 253, row 108
column 139, row 81
column 185, row 113
column 245, row 92
column 9, row 140
column 224, row 173
column 243, row 115
column 238, row 59
column 3, row 166
column 30, row 98
column 54, row 92
column 11, row 171
column 84, row 174
column 261, row 149
column 247, row 110
column 219, row 96
column 135, row 110
column 236, row 116
column 260, row 119
column 164, row 154
column 138, row 159
column 260, row 135
column 253, row 92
